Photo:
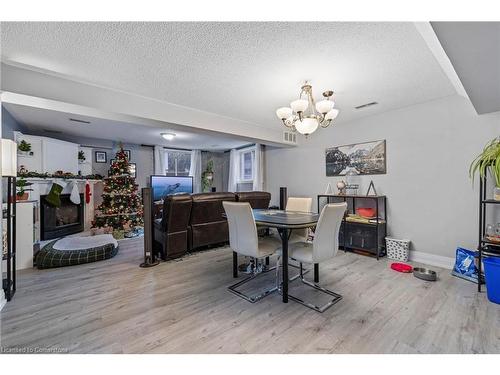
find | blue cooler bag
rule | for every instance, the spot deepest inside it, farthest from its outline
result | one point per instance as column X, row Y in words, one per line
column 465, row 267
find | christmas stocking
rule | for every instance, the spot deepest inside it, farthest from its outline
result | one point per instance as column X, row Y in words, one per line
column 87, row 192
column 75, row 194
column 54, row 196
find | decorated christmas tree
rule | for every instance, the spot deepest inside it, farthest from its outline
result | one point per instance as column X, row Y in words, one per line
column 121, row 207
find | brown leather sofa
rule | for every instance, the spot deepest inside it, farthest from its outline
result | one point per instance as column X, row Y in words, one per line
column 171, row 230
column 257, row 199
column 208, row 225
column 190, row 222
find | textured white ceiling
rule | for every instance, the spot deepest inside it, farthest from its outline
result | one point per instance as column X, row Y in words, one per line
column 241, row 70
column 36, row 120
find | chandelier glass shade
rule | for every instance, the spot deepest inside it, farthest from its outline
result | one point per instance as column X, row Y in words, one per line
column 305, row 115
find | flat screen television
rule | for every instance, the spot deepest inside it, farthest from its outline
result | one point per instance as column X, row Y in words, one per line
column 169, row 185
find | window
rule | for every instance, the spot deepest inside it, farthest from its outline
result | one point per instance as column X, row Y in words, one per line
column 247, row 158
column 177, row 163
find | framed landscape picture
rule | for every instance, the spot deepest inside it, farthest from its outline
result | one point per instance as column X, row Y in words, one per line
column 363, row 158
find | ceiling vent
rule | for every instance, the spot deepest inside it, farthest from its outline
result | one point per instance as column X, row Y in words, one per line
column 80, row 121
column 290, row 137
column 52, row 131
column 366, row 105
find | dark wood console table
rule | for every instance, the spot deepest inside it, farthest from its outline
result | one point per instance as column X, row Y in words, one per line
column 367, row 236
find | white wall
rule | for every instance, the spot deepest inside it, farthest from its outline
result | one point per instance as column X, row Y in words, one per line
column 429, row 148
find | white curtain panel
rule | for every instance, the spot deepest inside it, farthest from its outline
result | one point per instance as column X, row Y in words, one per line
column 195, row 170
column 234, row 166
column 258, row 171
column 159, row 156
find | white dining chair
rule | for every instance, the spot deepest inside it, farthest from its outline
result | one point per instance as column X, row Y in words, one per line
column 243, row 240
column 323, row 248
column 299, row 204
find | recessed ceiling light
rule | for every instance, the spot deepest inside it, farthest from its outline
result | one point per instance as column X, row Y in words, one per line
column 168, row 136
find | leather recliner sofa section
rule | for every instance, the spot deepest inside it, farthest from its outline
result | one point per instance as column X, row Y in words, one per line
column 189, row 222
column 171, row 230
column 208, row 226
column 257, row 199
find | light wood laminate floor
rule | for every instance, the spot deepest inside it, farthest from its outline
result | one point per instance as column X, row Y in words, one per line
column 183, row 306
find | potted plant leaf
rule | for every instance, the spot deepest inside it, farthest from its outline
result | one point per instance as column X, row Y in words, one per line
column 24, row 147
column 22, row 189
column 81, row 156
column 207, row 177
column 488, row 161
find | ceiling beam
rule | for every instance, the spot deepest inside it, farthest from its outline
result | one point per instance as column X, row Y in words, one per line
column 51, row 91
column 427, row 32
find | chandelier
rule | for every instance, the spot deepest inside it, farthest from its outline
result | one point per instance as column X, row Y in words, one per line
column 305, row 115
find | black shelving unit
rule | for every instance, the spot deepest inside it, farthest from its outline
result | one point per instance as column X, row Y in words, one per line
column 365, row 237
column 485, row 247
column 9, row 279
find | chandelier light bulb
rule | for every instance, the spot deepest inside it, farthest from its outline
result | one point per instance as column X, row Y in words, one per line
column 299, row 105
column 324, row 106
column 307, row 125
column 284, row 112
column 332, row 114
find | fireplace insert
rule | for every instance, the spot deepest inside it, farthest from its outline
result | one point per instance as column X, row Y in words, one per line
column 60, row 221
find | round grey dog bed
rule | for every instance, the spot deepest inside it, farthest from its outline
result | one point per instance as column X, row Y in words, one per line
column 71, row 251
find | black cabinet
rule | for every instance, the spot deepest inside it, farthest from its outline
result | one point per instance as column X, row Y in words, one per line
column 359, row 234
column 363, row 237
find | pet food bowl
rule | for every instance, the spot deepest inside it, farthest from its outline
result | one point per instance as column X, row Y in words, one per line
column 366, row 212
column 424, row 274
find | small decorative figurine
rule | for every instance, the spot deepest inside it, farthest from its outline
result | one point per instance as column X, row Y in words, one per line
column 370, row 187
column 329, row 189
column 341, row 185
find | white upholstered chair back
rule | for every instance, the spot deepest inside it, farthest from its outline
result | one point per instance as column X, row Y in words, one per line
column 299, row 204
column 302, row 205
column 243, row 237
column 326, row 238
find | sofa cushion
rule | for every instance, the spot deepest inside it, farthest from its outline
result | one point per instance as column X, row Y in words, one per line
column 207, row 207
column 176, row 212
column 209, row 234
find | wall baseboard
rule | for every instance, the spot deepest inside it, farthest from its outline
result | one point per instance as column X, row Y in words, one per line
column 432, row 260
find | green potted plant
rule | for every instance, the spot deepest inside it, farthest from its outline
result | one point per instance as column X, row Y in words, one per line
column 81, row 156
column 207, row 177
column 24, row 147
column 22, row 189
column 488, row 160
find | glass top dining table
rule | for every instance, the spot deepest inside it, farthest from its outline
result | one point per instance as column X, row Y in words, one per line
column 285, row 221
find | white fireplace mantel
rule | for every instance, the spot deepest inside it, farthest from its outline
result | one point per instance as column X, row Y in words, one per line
column 42, row 186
